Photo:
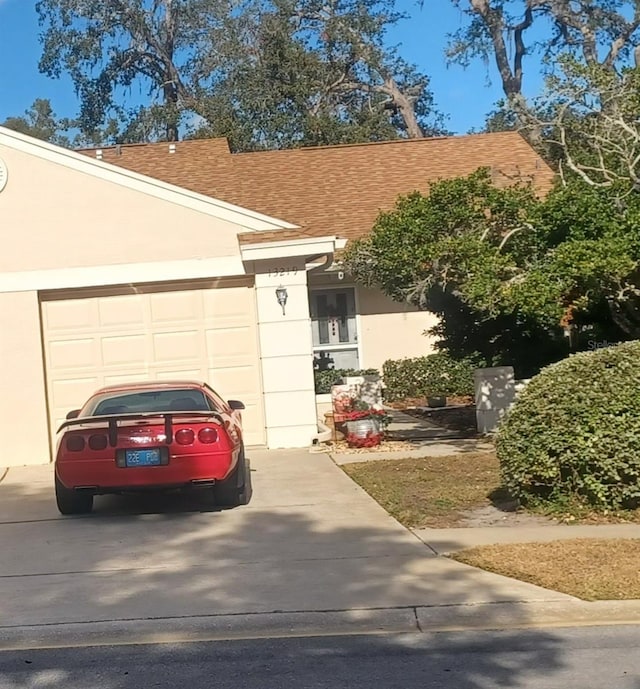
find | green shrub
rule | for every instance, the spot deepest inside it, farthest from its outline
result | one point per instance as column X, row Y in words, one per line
column 325, row 379
column 573, row 435
column 435, row 374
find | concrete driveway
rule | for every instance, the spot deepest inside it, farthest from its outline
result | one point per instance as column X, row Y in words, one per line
column 311, row 540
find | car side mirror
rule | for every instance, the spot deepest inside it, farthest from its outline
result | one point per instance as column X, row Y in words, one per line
column 236, row 404
column 73, row 414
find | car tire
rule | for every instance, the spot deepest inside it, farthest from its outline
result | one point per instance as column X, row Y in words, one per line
column 70, row 501
column 235, row 490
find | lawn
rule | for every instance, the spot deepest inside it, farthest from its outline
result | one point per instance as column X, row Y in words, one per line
column 437, row 491
column 430, row 491
column 588, row 568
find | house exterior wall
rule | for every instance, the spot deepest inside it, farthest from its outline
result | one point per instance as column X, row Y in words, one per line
column 391, row 330
column 23, row 403
column 73, row 230
column 62, row 218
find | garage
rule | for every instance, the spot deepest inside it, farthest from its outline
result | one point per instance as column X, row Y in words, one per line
column 113, row 277
column 168, row 331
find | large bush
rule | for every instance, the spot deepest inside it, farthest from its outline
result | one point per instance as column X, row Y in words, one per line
column 435, row 374
column 573, row 434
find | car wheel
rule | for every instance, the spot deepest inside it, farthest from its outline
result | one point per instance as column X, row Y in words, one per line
column 236, row 489
column 71, row 502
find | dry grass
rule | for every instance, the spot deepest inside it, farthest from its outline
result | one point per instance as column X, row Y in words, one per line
column 430, row 491
column 436, row 491
column 589, row 568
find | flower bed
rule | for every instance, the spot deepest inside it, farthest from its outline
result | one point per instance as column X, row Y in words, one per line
column 370, row 440
column 364, row 424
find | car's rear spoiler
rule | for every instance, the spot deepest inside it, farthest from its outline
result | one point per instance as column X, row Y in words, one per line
column 113, row 419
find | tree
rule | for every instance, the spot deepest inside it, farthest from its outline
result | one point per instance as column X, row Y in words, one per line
column 314, row 76
column 489, row 260
column 41, row 122
column 268, row 74
column 591, row 117
column 111, row 47
column 601, row 33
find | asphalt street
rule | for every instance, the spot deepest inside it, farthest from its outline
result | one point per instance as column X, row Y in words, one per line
column 571, row 658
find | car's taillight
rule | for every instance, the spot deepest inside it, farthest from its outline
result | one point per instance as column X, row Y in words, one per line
column 185, row 436
column 75, row 443
column 208, row 435
column 98, row 442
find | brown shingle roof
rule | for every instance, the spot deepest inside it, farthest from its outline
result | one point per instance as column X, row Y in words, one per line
column 330, row 190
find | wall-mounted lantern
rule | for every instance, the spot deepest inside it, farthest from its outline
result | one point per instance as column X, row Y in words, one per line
column 281, row 296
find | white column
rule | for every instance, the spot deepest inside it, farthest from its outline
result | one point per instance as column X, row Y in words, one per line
column 287, row 353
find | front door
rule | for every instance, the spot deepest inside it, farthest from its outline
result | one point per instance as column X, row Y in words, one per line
column 334, row 328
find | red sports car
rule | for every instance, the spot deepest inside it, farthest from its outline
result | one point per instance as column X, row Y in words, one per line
column 151, row 436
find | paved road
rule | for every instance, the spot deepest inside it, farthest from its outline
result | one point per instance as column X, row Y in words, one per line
column 578, row 658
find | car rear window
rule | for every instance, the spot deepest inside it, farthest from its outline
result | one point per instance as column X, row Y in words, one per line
column 148, row 401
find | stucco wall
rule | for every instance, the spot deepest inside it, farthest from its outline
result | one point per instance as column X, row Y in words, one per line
column 390, row 330
column 63, row 218
column 23, row 410
column 286, row 356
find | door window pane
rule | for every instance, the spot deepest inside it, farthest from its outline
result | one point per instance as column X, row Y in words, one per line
column 333, row 317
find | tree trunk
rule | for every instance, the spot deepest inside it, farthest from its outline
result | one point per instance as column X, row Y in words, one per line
column 172, row 114
column 405, row 107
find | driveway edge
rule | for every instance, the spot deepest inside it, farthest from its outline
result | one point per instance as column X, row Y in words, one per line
column 407, row 620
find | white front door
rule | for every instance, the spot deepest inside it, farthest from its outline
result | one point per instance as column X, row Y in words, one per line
column 334, row 328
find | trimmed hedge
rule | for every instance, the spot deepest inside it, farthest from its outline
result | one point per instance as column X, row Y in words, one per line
column 573, row 435
column 435, row 374
column 325, row 379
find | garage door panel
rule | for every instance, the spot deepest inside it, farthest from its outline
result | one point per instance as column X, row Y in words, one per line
column 66, row 393
column 71, row 315
column 178, row 346
column 229, row 307
column 196, row 334
column 240, row 380
column 251, row 422
column 135, row 376
column 179, row 374
column 73, row 354
column 126, row 309
column 230, row 344
column 176, row 307
column 121, row 350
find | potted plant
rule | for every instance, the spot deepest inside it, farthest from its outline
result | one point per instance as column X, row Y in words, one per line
column 437, row 398
column 365, row 424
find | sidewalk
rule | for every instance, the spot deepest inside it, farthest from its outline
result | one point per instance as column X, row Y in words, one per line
column 423, row 438
column 445, row 541
column 423, row 448
column 406, row 427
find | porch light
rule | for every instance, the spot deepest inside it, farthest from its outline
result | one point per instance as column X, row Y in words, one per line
column 281, row 296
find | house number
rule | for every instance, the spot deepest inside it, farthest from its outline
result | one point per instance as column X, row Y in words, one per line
column 280, row 272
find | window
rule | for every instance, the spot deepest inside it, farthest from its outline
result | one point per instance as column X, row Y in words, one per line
column 148, row 401
column 333, row 327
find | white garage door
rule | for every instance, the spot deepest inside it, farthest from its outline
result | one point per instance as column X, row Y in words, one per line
column 195, row 332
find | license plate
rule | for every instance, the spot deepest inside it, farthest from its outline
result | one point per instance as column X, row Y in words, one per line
column 142, row 458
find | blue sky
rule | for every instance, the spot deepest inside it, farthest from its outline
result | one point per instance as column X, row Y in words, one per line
column 466, row 95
